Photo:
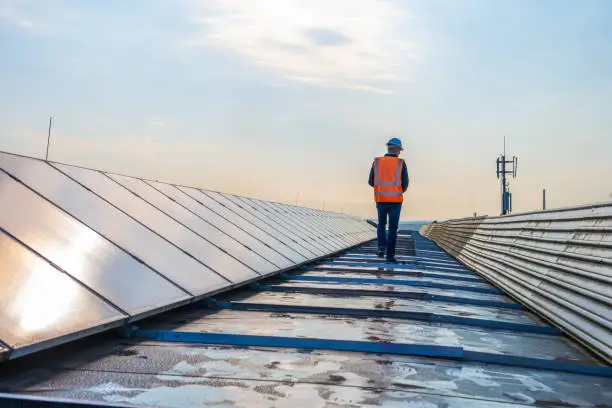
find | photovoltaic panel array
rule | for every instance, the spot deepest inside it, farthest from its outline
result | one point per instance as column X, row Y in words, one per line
column 82, row 251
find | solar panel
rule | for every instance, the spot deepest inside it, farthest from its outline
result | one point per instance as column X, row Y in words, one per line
column 160, row 223
column 199, row 226
column 3, row 353
column 308, row 225
column 301, row 224
column 40, row 303
column 244, row 213
column 113, row 224
column 252, row 228
column 272, row 222
column 337, row 234
column 317, row 224
column 197, row 208
column 81, row 252
column 280, row 222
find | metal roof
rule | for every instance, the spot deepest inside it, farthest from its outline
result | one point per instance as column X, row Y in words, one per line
column 558, row 262
column 345, row 331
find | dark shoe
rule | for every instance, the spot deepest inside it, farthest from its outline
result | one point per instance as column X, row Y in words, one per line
column 391, row 260
column 380, row 253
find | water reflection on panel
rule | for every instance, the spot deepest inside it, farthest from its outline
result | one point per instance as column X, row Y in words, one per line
column 221, row 199
column 113, row 224
column 243, row 223
column 310, row 225
column 198, row 225
column 274, row 230
column 258, row 211
column 82, row 252
column 286, row 224
column 41, row 303
column 227, row 226
column 160, row 223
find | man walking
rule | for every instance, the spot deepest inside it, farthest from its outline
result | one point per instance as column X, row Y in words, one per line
column 389, row 177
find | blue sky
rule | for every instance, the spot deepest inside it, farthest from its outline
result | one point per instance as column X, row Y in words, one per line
column 291, row 100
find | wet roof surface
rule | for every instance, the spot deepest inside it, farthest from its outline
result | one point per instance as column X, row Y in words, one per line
column 131, row 372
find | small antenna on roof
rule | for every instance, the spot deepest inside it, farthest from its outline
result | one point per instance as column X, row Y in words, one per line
column 506, row 204
column 48, row 138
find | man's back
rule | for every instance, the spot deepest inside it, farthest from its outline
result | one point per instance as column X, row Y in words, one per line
column 389, row 178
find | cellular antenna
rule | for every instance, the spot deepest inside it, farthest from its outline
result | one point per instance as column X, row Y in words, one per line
column 502, row 170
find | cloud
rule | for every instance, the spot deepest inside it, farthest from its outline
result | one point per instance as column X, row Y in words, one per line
column 351, row 44
column 10, row 14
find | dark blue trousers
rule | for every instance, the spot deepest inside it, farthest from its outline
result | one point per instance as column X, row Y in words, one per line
column 392, row 211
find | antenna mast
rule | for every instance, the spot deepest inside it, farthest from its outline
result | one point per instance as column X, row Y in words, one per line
column 48, row 138
column 506, row 195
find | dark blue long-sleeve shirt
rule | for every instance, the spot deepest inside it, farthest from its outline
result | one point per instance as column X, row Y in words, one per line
column 405, row 180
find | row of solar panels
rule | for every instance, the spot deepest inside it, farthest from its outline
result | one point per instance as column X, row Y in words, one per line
column 82, row 250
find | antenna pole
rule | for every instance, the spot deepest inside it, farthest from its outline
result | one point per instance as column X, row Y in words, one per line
column 48, row 138
column 543, row 199
column 502, row 170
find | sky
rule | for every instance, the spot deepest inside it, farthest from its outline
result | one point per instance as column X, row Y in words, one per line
column 291, row 100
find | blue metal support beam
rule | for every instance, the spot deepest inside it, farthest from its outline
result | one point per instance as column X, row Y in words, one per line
column 399, row 273
column 423, row 350
column 390, row 314
column 399, row 265
column 387, row 294
column 425, row 284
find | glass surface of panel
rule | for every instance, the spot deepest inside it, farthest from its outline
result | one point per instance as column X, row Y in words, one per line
column 41, row 303
column 250, row 206
column 309, row 226
column 199, row 226
column 336, row 222
column 244, row 213
column 327, row 231
column 241, row 236
column 348, row 226
column 160, row 223
column 82, row 252
column 314, row 223
column 301, row 226
column 113, row 224
column 320, row 219
column 278, row 221
column 238, row 219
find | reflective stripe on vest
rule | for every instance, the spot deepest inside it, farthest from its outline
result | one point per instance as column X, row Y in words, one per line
column 388, row 194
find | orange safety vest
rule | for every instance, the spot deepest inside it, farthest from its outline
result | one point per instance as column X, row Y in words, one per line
column 388, row 179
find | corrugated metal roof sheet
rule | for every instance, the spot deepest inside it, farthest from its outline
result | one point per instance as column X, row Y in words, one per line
column 559, row 262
